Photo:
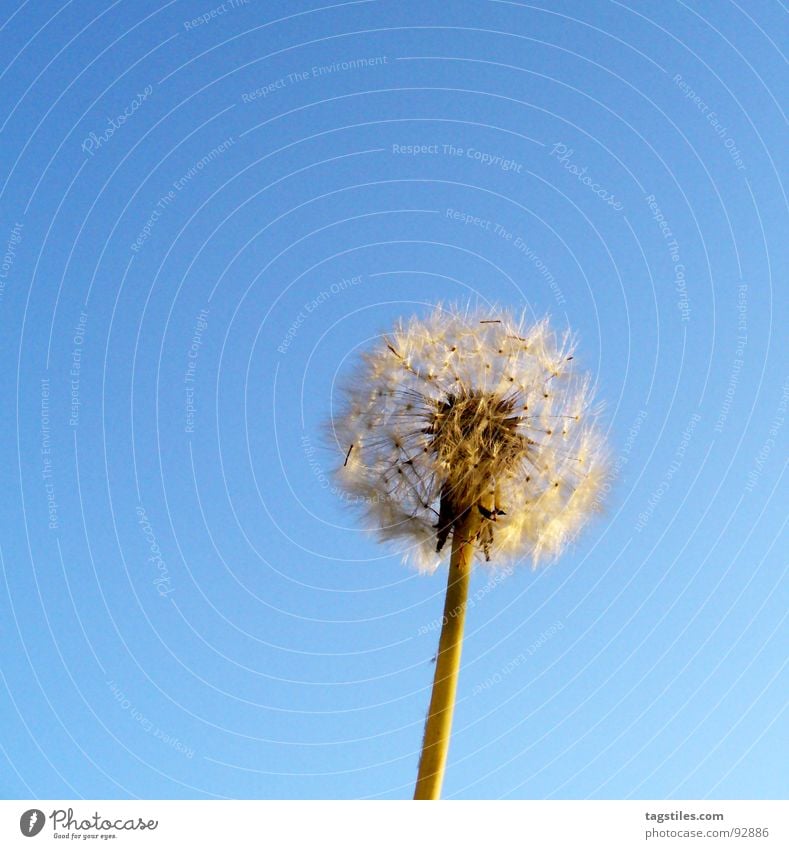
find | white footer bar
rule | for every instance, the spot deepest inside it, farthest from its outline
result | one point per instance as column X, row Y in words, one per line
column 399, row 825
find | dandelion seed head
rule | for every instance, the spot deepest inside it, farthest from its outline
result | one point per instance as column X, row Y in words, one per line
column 468, row 411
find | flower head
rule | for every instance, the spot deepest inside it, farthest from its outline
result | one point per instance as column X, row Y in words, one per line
column 471, row 411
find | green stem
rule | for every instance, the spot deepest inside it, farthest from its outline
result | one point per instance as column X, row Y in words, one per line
column 442, row 702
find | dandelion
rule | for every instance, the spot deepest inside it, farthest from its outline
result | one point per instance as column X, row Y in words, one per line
column 476, row 428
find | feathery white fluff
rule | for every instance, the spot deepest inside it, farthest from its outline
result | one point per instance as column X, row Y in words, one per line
column 465, row 411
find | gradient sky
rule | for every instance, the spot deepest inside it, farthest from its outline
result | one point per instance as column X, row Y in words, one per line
column 204, row 217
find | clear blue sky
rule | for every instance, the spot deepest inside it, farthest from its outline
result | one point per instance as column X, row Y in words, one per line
column 187, row 609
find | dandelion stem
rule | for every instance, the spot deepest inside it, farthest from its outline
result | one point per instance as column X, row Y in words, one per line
column 442, row 702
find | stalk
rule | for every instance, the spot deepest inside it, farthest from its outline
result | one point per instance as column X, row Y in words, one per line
column 442, row 701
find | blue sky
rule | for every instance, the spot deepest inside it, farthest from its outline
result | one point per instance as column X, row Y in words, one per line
column 206, row 212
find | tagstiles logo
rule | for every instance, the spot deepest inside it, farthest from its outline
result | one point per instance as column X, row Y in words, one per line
column 31, row 822
column 66, row 825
